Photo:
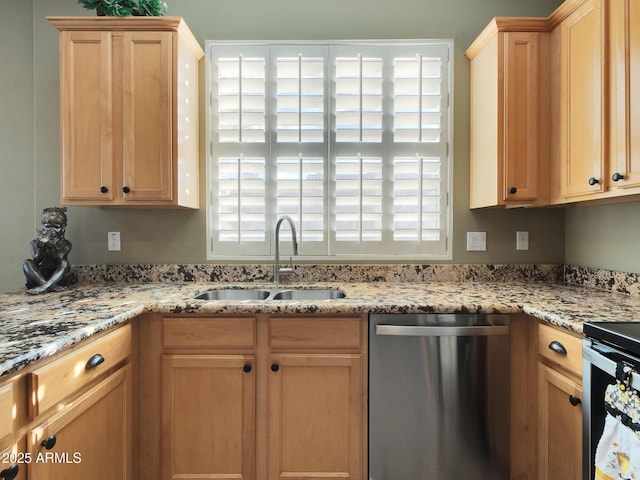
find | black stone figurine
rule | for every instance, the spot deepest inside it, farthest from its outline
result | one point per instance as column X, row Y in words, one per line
column 48, row 269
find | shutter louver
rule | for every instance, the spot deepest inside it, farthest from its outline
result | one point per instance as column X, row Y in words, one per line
column 417, row 86
column 300, row 99
column 241, row 100
column 241, row 199
column 358, row 97
column 300, row 194
column 358, row 197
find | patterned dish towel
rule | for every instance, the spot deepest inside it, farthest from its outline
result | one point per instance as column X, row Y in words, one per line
column 618, row 451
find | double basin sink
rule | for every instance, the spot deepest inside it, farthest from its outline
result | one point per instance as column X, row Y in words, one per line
column 271, row 294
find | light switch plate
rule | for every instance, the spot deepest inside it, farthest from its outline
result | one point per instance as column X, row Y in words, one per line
column 476, row 241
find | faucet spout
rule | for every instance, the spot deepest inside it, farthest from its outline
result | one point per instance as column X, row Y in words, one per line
column 277, row 270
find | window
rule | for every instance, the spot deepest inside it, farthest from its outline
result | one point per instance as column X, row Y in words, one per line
column 349, row 139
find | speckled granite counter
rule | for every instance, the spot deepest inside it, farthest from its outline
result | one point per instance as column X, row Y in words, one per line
column 35, row 327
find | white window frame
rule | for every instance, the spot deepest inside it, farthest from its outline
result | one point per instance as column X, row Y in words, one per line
column 262, row 250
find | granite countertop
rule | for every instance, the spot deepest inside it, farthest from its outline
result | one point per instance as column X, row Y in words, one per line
column 36, row 327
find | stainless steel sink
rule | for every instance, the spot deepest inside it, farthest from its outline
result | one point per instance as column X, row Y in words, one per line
column 275, row 294
column 234, row 294
column 307, row 294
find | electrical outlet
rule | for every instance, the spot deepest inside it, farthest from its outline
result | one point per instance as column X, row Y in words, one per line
column 522, row 240
column 476, row 241
column 113, row 241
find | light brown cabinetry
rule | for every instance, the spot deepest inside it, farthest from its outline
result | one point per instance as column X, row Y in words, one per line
column 560, row 93
column 315, row 398
column 89, row 438
column 70, row 416
column 559, row 405
column 128, row 111
column 624, row 71
column 209, row 404
column 257, row 397
column 509, row 104
column 581, row 125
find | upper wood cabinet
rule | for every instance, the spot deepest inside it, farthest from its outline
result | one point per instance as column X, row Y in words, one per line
column 509, row 100
column 128, row 111
column 581, row 89
column 554, row 106
column 624, row 71
column 595, row 120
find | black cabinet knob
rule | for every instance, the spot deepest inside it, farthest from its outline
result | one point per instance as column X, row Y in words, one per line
column 558, row 347
column 616, row 177
column 246, row 368
column 513, row 190
column 10, row 473
column 593, row 181
column 126, row 189
column 94, row 361
column 275, row 367
column 575, row 401
column 103, row 189
column 49, row 442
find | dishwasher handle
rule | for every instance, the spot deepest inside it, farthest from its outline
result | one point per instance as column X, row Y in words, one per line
column 441, row 331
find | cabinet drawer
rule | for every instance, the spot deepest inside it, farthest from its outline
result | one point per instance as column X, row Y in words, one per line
column 560, row 347
column 315, row 332
column 209, row 332
column 62, row 377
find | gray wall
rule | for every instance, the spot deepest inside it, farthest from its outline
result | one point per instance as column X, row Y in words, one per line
column 155, row 236
column 17, row 156
column 604, row 236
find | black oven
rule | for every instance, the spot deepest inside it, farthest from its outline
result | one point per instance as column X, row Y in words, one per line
column 605, row 346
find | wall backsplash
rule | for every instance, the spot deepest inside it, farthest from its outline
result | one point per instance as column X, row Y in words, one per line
column 607, row 280
column 321, row 273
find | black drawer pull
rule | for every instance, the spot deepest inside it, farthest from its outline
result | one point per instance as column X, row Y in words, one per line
column 575, row 401
column 94, row 361
column 49, row 442
column 558, row 347
column 275, row 367
column 10, row 473
column 246, row 368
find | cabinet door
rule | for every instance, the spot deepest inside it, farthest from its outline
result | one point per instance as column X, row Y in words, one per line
column 90, row 438
column 560, row 426
column 521, row 118
column 581, row 101
column 315, row 417
column 86, row 116
column 624, row 18
column 147, row 116
column 14, row 460
column 208, row 417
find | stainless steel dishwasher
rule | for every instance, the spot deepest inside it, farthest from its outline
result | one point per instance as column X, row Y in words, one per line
column 438, row 397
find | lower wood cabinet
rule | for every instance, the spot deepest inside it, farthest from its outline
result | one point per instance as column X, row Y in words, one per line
column 559, row 405
column 90, row 438
column 284, row 398
column 315, row 416
column 71, row 415
column 560, row 426
column 208, row 416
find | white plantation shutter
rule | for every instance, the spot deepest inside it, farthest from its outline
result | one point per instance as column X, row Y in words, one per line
column 358, row 197
column 358, row 95
column 350, row 140
column 300, row 98
column 300, row 193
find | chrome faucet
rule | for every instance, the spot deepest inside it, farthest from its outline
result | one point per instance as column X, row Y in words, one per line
column 284, row 271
